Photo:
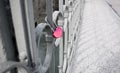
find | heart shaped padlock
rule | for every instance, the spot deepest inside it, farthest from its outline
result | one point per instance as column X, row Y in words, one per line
column 58, row 32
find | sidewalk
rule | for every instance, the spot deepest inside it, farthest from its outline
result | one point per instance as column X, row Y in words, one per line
column 99, row 42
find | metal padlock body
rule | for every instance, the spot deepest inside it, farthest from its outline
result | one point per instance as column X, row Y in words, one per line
column 58, row 21
column 58, row 32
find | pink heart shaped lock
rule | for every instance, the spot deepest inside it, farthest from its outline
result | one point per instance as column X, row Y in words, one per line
column 58, row 32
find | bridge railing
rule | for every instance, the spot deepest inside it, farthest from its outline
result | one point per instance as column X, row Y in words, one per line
column 72, row 11
column 36, row 45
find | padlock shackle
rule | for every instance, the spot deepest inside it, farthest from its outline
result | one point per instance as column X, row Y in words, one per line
column 49, row 11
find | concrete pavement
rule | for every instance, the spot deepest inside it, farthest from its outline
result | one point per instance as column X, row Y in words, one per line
column 99, row 40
